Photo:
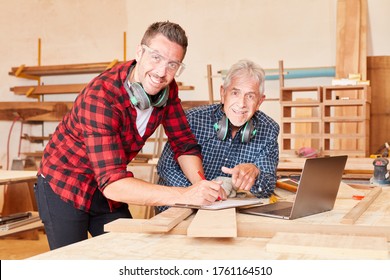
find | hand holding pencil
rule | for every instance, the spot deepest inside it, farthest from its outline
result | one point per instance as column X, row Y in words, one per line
column 204, row 178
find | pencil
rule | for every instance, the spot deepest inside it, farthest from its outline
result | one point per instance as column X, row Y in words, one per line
column 204, row 178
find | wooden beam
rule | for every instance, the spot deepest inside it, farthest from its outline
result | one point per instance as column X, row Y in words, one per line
column 358, row 209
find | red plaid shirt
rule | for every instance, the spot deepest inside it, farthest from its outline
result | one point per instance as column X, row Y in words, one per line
column 98, row 137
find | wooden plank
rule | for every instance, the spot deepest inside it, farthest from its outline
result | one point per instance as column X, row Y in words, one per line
column 37, row 90
column 378, row 73
column 347, row 61
column 331, row 246
column 16, row 176
column 347, row 37
column 34, row 111
column 363, row 39
column 219, row 223
column 64, row 69
column 358, row 209
column 48, row 89
column 141, row 246
column 166, row 220
column 160, row 223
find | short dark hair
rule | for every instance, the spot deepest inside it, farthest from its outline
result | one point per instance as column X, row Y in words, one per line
column 171, row 30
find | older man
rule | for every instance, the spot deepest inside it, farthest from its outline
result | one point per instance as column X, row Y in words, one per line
column 238, row 140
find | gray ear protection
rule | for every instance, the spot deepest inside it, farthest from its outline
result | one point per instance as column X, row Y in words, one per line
column 247, row 131
column 139, row 97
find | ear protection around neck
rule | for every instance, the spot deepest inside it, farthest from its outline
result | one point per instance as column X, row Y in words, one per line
column 142, row 100
column 247, row 131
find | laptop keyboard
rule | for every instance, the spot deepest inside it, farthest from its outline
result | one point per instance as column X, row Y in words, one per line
column 281, row 212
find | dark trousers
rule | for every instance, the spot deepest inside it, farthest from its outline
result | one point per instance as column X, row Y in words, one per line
column 65, row 224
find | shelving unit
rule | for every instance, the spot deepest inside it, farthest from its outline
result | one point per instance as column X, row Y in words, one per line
column 38, row 112
column 346, row 120
column 333, row 119
column 301, row 111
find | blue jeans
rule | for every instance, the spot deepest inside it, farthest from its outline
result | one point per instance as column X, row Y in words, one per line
column 65, row 224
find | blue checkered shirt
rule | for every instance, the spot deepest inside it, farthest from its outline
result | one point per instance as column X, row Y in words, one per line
column 262, row 150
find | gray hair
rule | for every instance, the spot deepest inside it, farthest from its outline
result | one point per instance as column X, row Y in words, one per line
column 246, row 67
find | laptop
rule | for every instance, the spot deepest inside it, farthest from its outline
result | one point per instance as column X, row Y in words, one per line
column 316, row 193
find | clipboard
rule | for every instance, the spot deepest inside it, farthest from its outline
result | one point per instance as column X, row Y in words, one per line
column 223, row 204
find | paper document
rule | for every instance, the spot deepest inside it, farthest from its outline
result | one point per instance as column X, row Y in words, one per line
column 223, row 204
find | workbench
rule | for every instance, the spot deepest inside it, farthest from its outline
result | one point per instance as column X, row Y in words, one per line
column 18, row 196
column 355, row 168
column 257, row 237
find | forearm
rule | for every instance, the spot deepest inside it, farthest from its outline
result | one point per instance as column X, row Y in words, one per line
column 190, row 165
column 139, row 192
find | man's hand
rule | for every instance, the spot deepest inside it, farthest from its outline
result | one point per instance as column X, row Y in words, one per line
column 243, row 175
column 202, row 193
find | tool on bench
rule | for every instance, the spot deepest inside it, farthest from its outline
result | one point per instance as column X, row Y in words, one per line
column 381, row 174
column 383, row 151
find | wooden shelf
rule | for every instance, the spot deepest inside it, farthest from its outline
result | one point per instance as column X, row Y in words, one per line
column 35, row 91
column 34, row 111
column 321, row 117
column 64, row 69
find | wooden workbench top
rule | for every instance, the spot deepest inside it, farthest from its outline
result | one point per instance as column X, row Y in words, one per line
column 13, row 176
column 255, row 236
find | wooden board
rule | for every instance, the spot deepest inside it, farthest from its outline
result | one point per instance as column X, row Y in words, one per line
column 35, row 91
column 354, row 214
column 348, row 37
column 34, row 111
column 351, row 49
column 378, row 73
column 142, row 246
column 219, row 223
column 15, row 176
column 64, row 69
column 333, row 246
column 162, row 222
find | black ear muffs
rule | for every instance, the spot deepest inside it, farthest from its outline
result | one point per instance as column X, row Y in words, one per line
column 247, row 131
column 139, row 98
column 221, row 127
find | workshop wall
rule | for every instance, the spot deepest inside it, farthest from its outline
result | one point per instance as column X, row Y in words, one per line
column 301, row 33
